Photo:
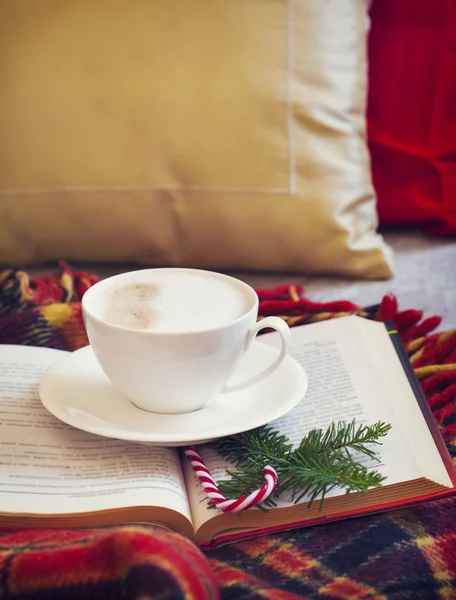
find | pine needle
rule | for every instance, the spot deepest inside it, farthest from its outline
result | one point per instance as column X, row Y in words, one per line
column 322, row 461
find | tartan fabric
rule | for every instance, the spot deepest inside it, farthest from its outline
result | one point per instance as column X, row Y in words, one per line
column 119, row 562
column 400, row 555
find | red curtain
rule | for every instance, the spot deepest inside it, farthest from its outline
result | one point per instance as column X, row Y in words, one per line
column 412, row 111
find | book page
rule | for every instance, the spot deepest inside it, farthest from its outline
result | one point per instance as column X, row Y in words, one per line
column 48, row 467
column 397, row 387
column 343, row 385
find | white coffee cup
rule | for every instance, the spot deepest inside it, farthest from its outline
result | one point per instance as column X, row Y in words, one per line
column 175, row 349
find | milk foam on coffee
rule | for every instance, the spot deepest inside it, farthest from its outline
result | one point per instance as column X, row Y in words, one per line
column 176, row 302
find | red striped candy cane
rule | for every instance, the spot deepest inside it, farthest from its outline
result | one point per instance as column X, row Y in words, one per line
column 210, row 487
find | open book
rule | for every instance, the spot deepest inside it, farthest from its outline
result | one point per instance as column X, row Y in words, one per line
column 54, row 475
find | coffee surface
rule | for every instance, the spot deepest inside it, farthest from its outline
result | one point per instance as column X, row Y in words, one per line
column 176, row 303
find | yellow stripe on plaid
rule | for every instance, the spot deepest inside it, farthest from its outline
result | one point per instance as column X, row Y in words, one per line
column 57, row 314
column 434, row 369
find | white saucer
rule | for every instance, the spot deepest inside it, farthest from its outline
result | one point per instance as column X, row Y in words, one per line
column 76, row 391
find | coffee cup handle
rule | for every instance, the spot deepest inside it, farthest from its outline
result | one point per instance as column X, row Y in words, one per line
column 284, row 332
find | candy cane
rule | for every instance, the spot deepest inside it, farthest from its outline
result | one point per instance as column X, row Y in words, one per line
column 210, row 487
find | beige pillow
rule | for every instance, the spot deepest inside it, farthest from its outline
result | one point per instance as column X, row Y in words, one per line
column 225, row 134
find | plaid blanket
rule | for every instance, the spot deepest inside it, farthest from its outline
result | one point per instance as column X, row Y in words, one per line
column 406, row 554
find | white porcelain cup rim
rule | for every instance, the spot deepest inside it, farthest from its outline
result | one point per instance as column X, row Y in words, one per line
column 96, row 288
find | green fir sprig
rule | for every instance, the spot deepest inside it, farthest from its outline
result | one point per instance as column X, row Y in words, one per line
column 322, row 461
